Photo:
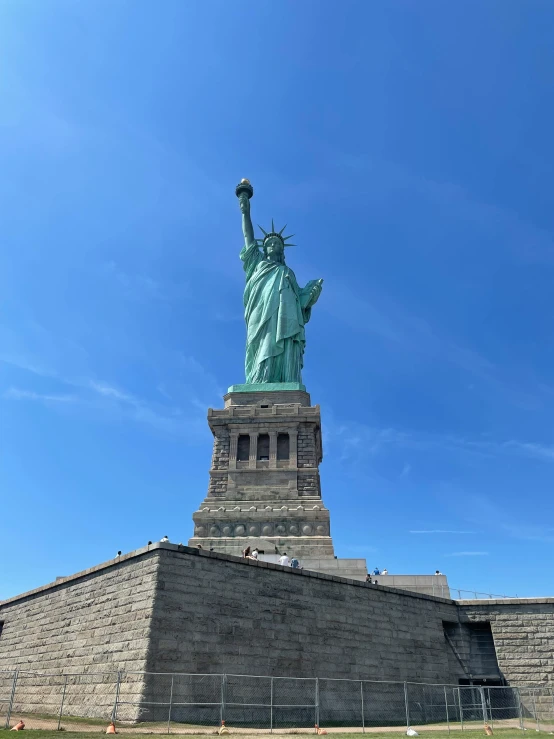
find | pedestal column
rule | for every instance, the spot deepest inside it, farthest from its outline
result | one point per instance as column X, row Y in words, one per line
column 253, row 449
column 233, row 442
column 273, row 449
column 293, row 448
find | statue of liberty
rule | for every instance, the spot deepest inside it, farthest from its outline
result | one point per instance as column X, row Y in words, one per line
column 276, row 309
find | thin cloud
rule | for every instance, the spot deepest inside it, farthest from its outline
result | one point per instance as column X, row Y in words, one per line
column 116, row 404
column 360, row 441
column 14, row 393
column 539, row 451
column 440, row 531
column 155, row 415
column 361, row 549
column 134, row 286
column 26, row 364
column 111, row 392
column 467, row 554
column 406, row 470
column 483, row 509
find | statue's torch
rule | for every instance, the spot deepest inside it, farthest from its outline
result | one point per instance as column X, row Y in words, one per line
column 245, row 187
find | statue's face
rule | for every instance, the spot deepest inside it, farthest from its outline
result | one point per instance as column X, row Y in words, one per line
column 274, row 248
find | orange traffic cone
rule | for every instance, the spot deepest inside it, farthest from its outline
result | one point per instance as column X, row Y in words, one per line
column 111, row 728
column 18, row 727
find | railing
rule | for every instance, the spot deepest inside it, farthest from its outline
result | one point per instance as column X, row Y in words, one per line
column 196, row 703
column 444, row 591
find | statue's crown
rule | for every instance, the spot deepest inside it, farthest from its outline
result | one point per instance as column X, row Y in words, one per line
column 278, row 234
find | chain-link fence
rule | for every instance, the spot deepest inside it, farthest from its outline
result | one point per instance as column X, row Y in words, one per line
column 537, row 709
column 198, row 704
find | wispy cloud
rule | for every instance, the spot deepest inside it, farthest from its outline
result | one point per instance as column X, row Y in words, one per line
column 111, row 392
column 26, row 364
column 539, row 451
column 115, row 404
column 169, row 419
column 135, row 286
column 198, row 376
column 440, row 531
column 405, row 333
column 364, row 441
column 483, row 509
column 92, row 395
column 467, row 554
column 361, row 549
column 405, row 471
column 380, row 316
column 14, row 393
column 528, row 242
column 529, row 532
column 108, row 400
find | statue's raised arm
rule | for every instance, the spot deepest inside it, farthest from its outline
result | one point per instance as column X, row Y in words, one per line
column 244, row 192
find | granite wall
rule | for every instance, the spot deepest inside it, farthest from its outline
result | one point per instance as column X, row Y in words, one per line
column 220, row 614
column 170, row 609
column 523, row 633
column 97, row 620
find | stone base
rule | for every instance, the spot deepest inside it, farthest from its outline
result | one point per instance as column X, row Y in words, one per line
column 314, row 548
column 264, row 477
column 314, row 553
column 262, row 396
column 266, row 387
column 355, row 569
column 427, row 584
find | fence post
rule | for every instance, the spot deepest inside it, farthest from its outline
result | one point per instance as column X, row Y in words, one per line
column 520, row 708
column 483, row 703
column 222, row 708
column 460, row 707
column 491, row 715
column 535, row 709
column 61, row 705
column 446, row 705
column 271, row 708
column 406, row 703
column 114, row 712
column 362, row 697
column 170, row 702
column 12, row 696
column 317, row 701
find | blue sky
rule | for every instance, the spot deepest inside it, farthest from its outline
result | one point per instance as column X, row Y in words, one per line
column 408, row 145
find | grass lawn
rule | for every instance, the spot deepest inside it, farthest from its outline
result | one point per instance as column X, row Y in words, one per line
column 375, row 734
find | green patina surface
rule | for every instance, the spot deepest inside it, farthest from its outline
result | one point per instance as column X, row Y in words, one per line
column 258, row 387
column 276, row 308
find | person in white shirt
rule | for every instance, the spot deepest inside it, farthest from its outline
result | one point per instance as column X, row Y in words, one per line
column 284, row 560
column 384, row 571
column 438, row 573
column 164, row 540
column 254, row 554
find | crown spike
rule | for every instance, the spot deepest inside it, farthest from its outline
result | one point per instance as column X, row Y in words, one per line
column 288, row 237
column 262, row 230
column 281, row 231
column 272, row 226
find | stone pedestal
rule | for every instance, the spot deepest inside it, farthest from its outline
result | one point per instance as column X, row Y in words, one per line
column 264, row 487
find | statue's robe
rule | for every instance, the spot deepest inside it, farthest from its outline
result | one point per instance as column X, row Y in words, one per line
column 276, row 310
